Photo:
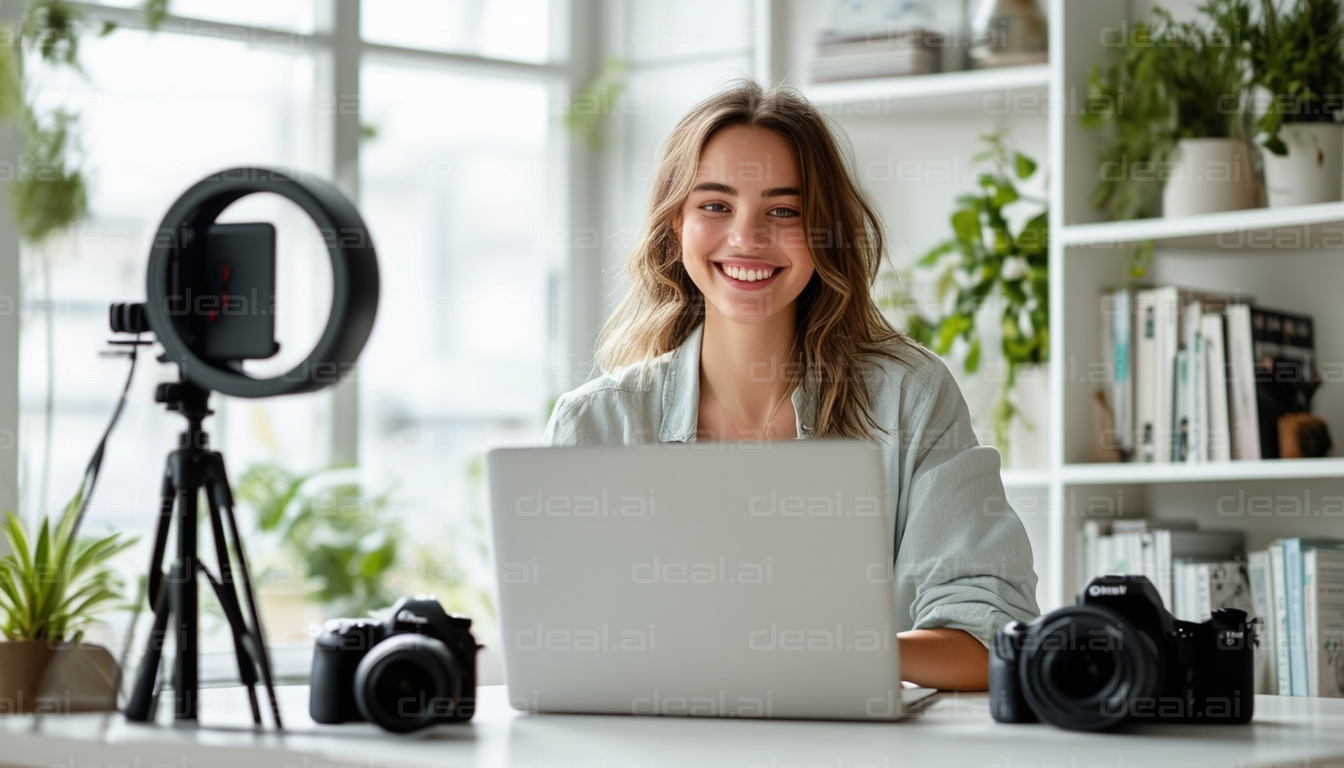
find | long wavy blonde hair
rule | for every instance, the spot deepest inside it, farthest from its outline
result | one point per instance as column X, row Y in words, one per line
column 838, row 323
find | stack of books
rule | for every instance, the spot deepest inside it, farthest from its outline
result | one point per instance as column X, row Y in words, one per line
column 852, row 56
column 1194, row 571
column 1298, row 587
column 1200, row 376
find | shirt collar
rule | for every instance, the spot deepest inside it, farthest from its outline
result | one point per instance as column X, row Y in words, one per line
column 681, row 394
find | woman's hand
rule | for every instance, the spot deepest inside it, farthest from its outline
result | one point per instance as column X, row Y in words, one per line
column 950, row 659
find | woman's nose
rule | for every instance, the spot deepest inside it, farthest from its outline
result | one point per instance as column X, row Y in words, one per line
column 749, row 232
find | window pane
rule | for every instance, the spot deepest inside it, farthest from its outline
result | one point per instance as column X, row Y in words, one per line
column 504, row 29
column 455, row 198
column 290, row 15
column 687, row 28
column 159, row 112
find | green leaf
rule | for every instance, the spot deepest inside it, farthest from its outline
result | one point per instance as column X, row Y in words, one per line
column 1024, row 165
column 937, row 252
column 966, row 225
column 973, row 356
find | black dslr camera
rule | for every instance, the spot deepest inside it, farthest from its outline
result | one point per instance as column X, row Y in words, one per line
column 1119, row 656
column 414, row 669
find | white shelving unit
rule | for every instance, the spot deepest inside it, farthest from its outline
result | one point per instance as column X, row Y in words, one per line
column 1289, row 258
column 967, row 91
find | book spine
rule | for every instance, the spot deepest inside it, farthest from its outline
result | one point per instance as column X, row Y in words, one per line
column 1145, row 393
column 1241, row 388
column 1122, row 389
column 1198, row 392
column 1261, row 600
column 1283, row 673
column 1297, row 649
column 1182, row 430
column 1166, row 325
column 1203, row 592
column 1218, row 433
column 1311, row 632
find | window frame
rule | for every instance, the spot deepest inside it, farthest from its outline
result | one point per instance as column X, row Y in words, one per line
column 340, row 51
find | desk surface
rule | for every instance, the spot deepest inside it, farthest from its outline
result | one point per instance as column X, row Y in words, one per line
column 954, row 731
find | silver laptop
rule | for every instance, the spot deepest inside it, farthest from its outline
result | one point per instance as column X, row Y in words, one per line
column 711, row 579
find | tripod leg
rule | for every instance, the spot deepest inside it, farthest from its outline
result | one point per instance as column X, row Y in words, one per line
column 140, row 708
column 187, row 465
column 247, row 670
column 228, row 600
column 228, row 596
column 222, row 498
column 167, row 495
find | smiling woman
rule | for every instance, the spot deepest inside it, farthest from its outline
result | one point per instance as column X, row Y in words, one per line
column 751, row 291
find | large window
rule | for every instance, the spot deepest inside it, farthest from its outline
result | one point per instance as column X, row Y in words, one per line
column 456, row 170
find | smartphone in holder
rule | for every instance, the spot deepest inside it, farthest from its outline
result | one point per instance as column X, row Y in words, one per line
column 236, row 313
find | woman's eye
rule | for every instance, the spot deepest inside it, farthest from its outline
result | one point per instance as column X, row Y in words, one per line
column 786, row 213
column 710, row 206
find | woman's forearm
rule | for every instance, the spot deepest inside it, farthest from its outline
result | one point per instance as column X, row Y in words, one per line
column 950, row 659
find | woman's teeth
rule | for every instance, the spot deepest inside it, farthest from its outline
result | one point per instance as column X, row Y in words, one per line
column 746, row 275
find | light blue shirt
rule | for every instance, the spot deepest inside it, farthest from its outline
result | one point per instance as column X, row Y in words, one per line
column 963, row 560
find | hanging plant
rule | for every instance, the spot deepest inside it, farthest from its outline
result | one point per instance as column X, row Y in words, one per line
column 49, row 194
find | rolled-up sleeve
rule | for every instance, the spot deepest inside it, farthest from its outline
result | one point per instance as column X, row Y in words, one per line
column 963, row 560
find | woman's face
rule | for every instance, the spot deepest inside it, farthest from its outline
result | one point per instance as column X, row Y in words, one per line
column 742, row 236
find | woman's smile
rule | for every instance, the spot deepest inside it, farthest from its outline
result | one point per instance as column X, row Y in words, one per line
column 747, row 275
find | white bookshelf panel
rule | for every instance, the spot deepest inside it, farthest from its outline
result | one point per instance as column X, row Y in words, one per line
column 1303, row 226
column 992, row 92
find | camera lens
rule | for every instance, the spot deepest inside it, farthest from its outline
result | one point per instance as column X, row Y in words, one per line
column 407, row 682
column 1082, row 674
column 1085, row 667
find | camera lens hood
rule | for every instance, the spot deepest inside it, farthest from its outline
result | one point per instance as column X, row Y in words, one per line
column 354, row 272
column 1084, row 667
column 407, row 682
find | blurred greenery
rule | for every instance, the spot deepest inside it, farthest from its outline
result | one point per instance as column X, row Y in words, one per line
column 352, row 550
column 1169, row 81
column 1297, row 55
column 53, row 583
column 49, row 193
column 342, row 538
column 595, row 101
column 985, row 260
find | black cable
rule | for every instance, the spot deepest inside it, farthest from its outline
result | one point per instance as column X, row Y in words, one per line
column 96, row 461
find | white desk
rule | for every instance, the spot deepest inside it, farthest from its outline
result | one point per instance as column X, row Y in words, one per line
column 955, row 731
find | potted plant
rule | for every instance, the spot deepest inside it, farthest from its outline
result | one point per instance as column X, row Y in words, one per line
column 986, row 264
column 1175, row 98
column 1298, row 59
column 50, row 585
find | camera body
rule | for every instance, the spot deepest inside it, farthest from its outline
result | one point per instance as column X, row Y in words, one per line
column 1120, row 656
column 414, row 669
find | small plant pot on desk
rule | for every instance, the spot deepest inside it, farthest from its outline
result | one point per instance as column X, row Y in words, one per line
column 22, row 666
column 1313, row 169
column 37, row 676
column 1211, row 176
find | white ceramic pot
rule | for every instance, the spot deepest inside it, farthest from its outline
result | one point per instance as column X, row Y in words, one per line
column 1209, row 176
column 1312, row 170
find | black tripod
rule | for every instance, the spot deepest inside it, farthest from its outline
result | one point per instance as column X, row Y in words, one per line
column 191, row 468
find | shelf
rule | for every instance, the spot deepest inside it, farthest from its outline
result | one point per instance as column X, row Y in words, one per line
column 1022, row 479
column 1221, row 471
column 1303, row 226
column 986, row 91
